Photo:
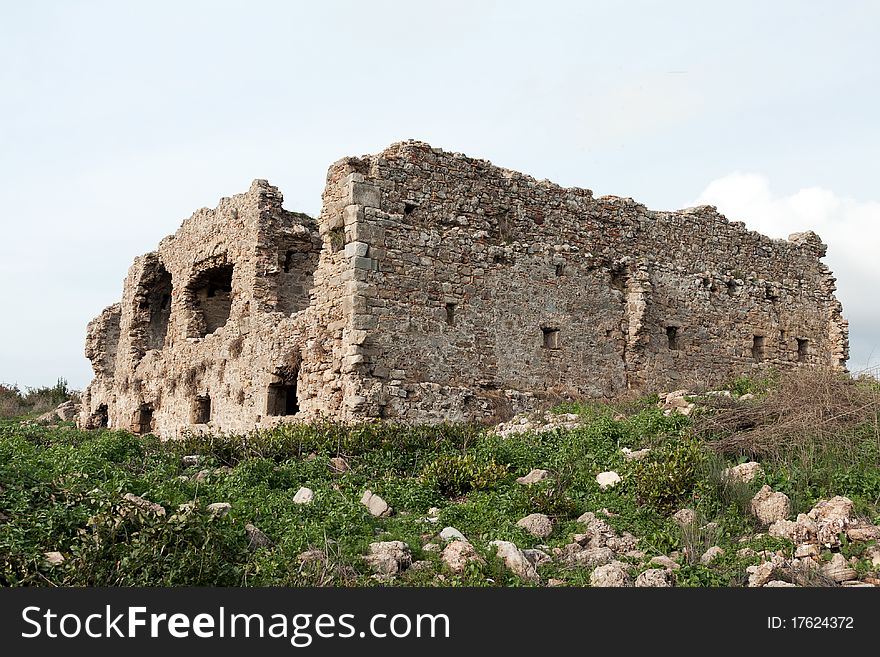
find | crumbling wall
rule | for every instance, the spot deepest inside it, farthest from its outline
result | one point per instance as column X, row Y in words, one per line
column 202, row 333
column 436, row 287
column 487, row 286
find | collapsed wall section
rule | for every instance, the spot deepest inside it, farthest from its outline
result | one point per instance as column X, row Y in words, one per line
column 435, row 287
column 212, row 326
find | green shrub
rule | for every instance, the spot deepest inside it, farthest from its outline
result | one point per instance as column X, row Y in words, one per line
column 668, row 475
column 456, row 474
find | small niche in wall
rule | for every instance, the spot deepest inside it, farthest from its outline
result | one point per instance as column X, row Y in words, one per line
column 409, row 208
column 143, row 423
column 450, row 314
column 551, row 337
column 101, row 417
column 560, row 270
column 758, row 348
column 619, row 278
column 672, row 338
column 803, row 350
column 201, row 412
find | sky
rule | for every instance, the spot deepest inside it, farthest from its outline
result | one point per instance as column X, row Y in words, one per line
column 118, row 120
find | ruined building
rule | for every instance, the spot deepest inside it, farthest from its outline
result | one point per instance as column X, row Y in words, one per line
column 438, row 287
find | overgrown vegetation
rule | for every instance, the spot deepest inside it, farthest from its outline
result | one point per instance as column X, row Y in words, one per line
column 14, row 402
column 63, row 490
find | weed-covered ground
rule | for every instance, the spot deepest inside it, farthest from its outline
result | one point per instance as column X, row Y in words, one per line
column 62, row 490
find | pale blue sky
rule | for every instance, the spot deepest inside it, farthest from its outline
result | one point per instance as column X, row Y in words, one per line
column 119, row 119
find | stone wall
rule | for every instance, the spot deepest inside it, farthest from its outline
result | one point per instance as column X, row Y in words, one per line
column 437, row 287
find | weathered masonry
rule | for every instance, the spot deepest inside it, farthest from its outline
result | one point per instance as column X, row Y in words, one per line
column 438, row 287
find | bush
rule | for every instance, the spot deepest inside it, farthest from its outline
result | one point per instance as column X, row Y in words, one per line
column 456, row 474
column 668, row 475
column 14, row 403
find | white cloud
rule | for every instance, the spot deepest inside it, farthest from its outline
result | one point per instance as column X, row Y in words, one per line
column 850, row 228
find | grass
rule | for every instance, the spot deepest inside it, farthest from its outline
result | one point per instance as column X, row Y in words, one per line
column 61, row 489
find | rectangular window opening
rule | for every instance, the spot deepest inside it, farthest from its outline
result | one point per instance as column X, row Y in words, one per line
column 144, row 419
column 101, row 418
column 758, row 348
column 560, row 270
column 551, row 338
column 450, row 314
column 803, row 351
column 202, row 410
column 672, row 337
column 282, row 400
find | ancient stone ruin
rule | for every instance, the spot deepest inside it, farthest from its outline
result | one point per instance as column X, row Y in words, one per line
column 438, row 287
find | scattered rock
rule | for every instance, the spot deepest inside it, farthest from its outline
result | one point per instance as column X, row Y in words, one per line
column 389, row 557
column 745, row 553
column 665, row 562
column 838, row 508
column 191, row 460
column 832, row 517
column 635, row 455
column 863, row 533
column 54, row 558
column 743, row 473
column 769, row 507
column 537, row 557
column 256, row 537
column 540, row 422
column 417, row 566
column 536, row 524
column 311, row 556
column 431, row 547
column 779, row 584
column 339, row 464
column 144, row 505
column 304, row 496
column 873, row 553
column 711, row 554
column 607, row 479
column 452, row 534
column 555, row 582
column 458, row 554
column 654, row 578
column 761, row 574
column 684, row 517
column 202, row 475
column 806, row 550
column 590, row 557
column 218, row 509
column 783, row 529
column 47, row 418
column 675, row 402
column 515, row 560
column 623, row 543
column 610, row 575
column 838, row 569
column 598, row 532
column 533, row 477
column 375, row 504
column 67, row 411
